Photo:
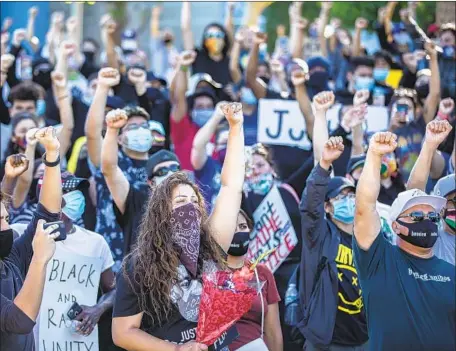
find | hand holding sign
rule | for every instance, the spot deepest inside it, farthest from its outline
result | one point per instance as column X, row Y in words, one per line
column 332, row 150
column 116, row 119
column 361, row 97
column 323, row 101
column 437, row 132
column 233, row 113
column 15, row 165
column 382, row 143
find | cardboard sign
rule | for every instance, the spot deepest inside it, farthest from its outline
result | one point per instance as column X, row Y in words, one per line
column 272, row 230
column 280, row 122
column 69, row 278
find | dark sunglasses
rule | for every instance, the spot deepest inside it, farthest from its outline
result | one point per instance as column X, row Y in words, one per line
column 165, row 170
column 418, row 216
column 219, row 35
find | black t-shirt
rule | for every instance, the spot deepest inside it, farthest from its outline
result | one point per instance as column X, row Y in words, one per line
column 219, row 71
column 134, row 208
column 351, row 326
column 180, row 327
column 388, row 195
column 287, row 159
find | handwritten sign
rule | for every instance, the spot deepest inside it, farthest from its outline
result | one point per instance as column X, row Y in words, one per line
column 272, row 230
column 376, row 118
column 280, row 122
column 69, row 278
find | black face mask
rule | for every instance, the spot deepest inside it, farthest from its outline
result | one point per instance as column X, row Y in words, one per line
column 422, row 91
column 167, row 41
column 43, row 78
column 240, row 244
column 89, row 55
column 6, row 243
column 422, row 234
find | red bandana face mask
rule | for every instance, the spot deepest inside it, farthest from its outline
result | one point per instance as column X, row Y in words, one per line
column 186, row 227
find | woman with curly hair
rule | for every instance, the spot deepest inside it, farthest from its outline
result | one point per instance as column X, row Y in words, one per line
column 159, row 286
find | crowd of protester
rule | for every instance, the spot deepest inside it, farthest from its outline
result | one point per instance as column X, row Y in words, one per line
column 151, row 162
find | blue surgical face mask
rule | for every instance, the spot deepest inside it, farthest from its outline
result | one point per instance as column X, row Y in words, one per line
column 201, row 116
column 261, row 185
column 139, row 140
column 380, row 74
column 74, row 205
column 344, row 209
column 248, row 97
column 40, row 107
column 364, row 83
column 448, row 51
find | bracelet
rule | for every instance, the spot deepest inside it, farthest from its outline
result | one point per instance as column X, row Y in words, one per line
column 442, row 115
column 50, row 164
column 184, row 68
column 62, row 97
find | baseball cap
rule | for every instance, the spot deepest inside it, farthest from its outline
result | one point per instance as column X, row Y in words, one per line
column 355, row 162
column 445, row 186
column 159, row 157
column 69, row 183
column 115, row 102
column 201, row 92
column 150, row 76
column 413, row 197
column 336, row 185
column 201, row 77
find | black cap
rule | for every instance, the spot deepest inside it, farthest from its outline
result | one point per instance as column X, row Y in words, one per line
column 201, row 92
column 159, row 157
column 336, row 185
column 69, row 183
column 355, row 162
column 151, row 76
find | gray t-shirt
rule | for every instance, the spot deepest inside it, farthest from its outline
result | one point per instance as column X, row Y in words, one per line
column 445, row 246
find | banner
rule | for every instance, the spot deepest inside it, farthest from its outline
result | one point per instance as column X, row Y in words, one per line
column 69, row 278
column 280, row 122
column 272, row 230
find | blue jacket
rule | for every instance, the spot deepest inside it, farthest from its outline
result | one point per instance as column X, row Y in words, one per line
column 318, row 285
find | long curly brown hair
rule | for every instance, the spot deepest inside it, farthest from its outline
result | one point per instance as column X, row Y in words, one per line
column 155, row 259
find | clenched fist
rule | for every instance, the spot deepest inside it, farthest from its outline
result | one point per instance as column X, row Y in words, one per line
column 187, row 58
column 6, row 62
column 67, row 48
column 332, row 150
column 436, row 132
column 276, row 66
column 58, row 79
column 15, row 165
column 19, row 36
column 299, row 77
column 446, row 106
column 48, row 138
column 354, row 117
column 108, row 25
column 137, row 76
column 233, row 113
column 361, row 97
column 361, row 23
column 116, row 119
column 260, row 38
column 108, row 77
column 33, row 12
column 323, row 101
column 382, row 143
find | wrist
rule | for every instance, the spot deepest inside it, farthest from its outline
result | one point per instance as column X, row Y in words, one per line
column 38, row 262
column 325, row 164
column 112, row 130
column 52, row 155
column 183, row 68
column 428, row 147
column 443, row 116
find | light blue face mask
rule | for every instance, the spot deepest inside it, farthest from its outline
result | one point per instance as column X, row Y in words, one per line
column 248, row 97
column 74, row 205
column 364, row 83
column 40, row 107
column 262, row 184
column 380, row 74
column 344, row 209
column 139, row 140
column 200, row 117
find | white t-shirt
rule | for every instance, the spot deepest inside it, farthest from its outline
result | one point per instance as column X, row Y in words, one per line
column 444, row 247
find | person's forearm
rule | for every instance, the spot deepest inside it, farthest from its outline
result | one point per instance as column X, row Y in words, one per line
column 106, row 301
column 358, row 136
column 357, row 42
column 233, row 170
column 298, row 41
column 29, row 298
column 420, row 172
column 8, row 185
column 274, row 342
column 111, row 54
column 281, row 80
column 186, row 26
column 320, row 135
column 61, row 65
column 368, row 187
column 235, row 72
column 134, row 339
column 252, row 65
column 229, row 25
column 154, row 26
column 432, row 100
column 11, row 77
column 305, row 106
column 30, row 27
column 67, row 119
column 204, row 135
column 24, row 181
column 109, row 152
column 51, row 195
column 324, row 18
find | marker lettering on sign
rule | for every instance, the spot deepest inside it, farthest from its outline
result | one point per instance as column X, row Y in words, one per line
column 67, row 346
column 83, row 273
column 296, row 138
column 279, row 127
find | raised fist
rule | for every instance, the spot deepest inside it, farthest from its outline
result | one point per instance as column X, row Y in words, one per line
column 57, row 18
column 430, row 48
column 30, row 137
column 332, row 150
column 382, row 143
column 116, row 119
column 19, row 36
column 361, row 97
column 67, row 48
column 6, row 62
column 48, row 138
column 187, row 58
column 58, row 79
column 233, row 113
column 108, row 77
column 156, row 11
column 108, row 25
column 15, row 165
column 33, row 11
column 361, row 23
column 323, row 101
column 7, row 23
column 327, row 5
column 71, row 23
column 276, row 66
column 240, row 34
column 299, row 77
column 437, row 132
column 260, row 38
column 137, row 76
column 301, row 22
column 354, row 116
column 446, row 106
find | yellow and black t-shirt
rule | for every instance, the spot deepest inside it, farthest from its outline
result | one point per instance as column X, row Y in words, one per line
column 351, row 327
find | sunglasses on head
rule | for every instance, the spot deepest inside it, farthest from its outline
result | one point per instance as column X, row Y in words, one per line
column 165, row 170
column 418, row 216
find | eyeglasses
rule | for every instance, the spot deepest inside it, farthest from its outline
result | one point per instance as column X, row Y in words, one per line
column 218, row 35
column 342, row 197
column 165, row 170
column 418, row 216
column 134, row 126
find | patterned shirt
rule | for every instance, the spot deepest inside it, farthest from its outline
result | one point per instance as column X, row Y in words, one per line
column 107, row 225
